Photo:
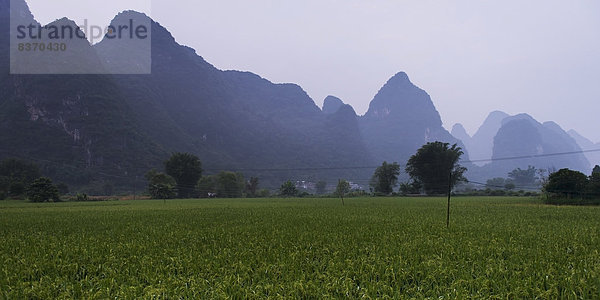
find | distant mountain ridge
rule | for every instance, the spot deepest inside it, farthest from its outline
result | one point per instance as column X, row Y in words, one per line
column 93, row 131
column 521, row 136
column 400, row 119
column 123, row 125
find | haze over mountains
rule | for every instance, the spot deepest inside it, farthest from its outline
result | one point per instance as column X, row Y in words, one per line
column 503, row 136
column 93, row 130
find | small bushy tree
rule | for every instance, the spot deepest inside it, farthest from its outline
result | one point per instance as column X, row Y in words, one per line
column 42, row 190
column 567, row 183
column 288, row 189
column 161, row 185
column 385, row 178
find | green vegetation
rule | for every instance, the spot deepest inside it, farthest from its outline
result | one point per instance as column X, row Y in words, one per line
column 435, row 166
column 385, row 178
column 161, row 185
column 15, row 176
column 288, row 189
column 42, row 190
column 223, row 185
column 572, row 187
column 299, row 248
column 524, row 178
column 186, row 169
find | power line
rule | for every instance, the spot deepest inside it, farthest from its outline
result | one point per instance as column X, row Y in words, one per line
column 66, row 163
column 531, row 156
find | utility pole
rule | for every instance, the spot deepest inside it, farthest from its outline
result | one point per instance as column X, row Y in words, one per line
column 449, row 195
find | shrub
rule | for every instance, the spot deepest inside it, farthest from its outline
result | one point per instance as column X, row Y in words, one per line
column 81, row 197
column 42, row 190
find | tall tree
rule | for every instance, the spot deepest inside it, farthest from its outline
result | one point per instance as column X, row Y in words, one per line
column 342, row 189
column 385, row 178
column 435, row 166
column 186, row 169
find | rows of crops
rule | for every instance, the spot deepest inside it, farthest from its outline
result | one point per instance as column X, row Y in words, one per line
column 308, row 248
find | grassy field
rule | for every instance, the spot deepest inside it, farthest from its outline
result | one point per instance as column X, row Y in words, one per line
column 299, row 248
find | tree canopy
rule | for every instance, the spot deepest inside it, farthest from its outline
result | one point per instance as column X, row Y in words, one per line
column 567, row 182
column 161, row 185
column 16, row 175
column 288, row 189
column 385, row 178
column 186, row 169
column 42, row 190
column 594, row 183
column 435, row 166
column 230, row 184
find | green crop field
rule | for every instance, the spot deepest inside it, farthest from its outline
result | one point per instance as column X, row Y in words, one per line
column 299, row 248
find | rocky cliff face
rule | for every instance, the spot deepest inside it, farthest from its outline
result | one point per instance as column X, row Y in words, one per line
column 114, row 127
column 401, row 118
column 458, row 131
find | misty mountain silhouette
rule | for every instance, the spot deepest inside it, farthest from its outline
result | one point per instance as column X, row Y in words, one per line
column 94, row 130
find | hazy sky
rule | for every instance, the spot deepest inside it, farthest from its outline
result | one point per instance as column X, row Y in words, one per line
column 472, row 57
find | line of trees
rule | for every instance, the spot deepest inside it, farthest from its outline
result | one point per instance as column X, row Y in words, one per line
column 432, row 169
column 182, row 178
column 572, row 187
column 23, row 180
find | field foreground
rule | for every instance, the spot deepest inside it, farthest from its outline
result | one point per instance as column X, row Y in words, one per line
column 300, row 248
